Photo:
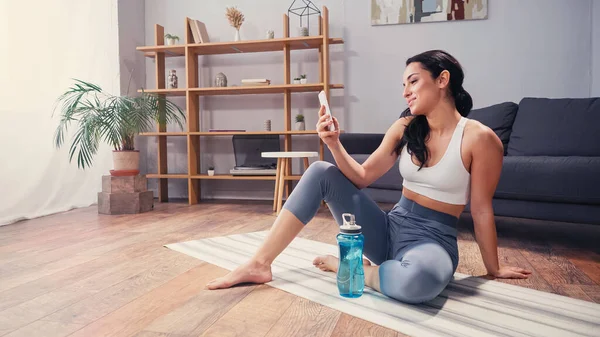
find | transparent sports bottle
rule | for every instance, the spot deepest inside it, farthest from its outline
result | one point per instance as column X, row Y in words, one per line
column 351, row 274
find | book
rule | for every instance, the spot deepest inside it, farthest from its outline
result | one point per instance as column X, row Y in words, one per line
column 258, row 84
column 202, row 31
column 256, row 80
column 198, row 29
column 194, row 30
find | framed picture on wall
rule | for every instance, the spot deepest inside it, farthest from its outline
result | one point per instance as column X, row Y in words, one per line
column 394, row 12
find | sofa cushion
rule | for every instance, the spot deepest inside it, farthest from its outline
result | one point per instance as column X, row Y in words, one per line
column 391, row 180
column 550, row 179
column 361, row 143
column 498, row 117
column 556, row 127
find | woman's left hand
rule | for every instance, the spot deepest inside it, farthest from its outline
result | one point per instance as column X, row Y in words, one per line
column 512, row 272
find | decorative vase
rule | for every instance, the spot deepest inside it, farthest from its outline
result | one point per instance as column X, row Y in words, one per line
column 237, row 35
column 220, row 80
column 303, row 31
column 300, row 126
column 173, row 81
column 268, row 125
column 270, row 34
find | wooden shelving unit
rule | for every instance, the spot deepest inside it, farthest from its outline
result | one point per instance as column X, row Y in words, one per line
column 191, row 51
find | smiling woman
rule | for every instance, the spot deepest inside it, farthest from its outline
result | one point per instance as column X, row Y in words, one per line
column 414, row 246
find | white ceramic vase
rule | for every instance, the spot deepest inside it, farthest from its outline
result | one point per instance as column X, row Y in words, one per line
column 237, row 36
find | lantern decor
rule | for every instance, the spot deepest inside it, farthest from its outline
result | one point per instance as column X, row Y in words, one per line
column 303, row 8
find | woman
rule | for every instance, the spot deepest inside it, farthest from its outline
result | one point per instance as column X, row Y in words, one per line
column 445, row 161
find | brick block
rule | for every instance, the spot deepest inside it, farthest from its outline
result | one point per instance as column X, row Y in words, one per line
column 125, row 203
column 125, row 184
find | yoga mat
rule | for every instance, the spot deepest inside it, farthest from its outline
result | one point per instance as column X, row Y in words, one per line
column 469, row 306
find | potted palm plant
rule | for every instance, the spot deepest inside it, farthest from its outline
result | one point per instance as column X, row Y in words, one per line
column 116, row 120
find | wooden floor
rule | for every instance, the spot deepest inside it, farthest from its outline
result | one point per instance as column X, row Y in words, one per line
column 84, row 274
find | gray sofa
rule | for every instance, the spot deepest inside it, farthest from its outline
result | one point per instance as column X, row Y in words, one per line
column 551, row 167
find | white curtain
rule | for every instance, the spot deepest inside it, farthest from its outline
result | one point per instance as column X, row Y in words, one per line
column 44, row 44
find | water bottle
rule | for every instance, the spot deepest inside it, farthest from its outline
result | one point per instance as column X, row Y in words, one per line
column 350, row 274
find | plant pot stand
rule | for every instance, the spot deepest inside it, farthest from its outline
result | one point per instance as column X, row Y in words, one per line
column 125, row 195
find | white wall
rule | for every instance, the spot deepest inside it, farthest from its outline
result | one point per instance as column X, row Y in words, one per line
column 42, row 50
column 595, row 90
column 524, row 48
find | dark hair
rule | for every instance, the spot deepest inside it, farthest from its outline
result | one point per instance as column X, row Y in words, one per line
column 417, row 130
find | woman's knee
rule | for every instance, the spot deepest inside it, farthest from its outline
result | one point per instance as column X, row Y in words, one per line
column 319, row 166
column 320, row 169
column 411, row 283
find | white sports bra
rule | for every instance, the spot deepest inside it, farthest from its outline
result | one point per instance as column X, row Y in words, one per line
column 447, row 181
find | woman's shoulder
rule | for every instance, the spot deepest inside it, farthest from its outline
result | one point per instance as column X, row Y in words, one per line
column 479, row 134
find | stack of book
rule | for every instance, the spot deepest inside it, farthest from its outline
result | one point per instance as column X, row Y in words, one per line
column 255, row 82
column 199, row 33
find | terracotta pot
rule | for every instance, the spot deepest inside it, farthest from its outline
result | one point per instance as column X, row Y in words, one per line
column 126, row 162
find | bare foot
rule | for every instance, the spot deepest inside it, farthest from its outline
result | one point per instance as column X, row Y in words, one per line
column 250, row 272
column 330, row 263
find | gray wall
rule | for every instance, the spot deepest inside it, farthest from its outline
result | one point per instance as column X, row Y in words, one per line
column 524, row 48
column 595, row 90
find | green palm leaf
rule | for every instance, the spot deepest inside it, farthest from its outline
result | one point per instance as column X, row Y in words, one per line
column 115, row 120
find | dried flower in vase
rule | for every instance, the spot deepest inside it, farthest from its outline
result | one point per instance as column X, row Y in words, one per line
column 235, row 17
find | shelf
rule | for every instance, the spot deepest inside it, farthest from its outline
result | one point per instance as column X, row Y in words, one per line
column 166, row 92
column 163, row 134
column 236, row 47
column 167, row 176
column 216, row 177
column 244, row 90
column 232, row 177
column 265, row 89
column 257, row 46
column 230, row 133
column 194, row 93
column 170, row 51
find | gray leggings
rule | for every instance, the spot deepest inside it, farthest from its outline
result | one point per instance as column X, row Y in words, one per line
column 414, row 246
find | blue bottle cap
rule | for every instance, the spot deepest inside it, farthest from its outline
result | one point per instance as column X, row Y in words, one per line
column 349, row 226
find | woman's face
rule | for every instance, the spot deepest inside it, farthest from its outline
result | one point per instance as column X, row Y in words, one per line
column 421, row 91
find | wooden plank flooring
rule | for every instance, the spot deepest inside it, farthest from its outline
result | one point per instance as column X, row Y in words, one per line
column 80, row 273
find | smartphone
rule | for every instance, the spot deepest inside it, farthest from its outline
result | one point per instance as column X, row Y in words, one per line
column 323, row 101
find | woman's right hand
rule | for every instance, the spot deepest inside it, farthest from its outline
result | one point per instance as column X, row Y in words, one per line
column 329, row 137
